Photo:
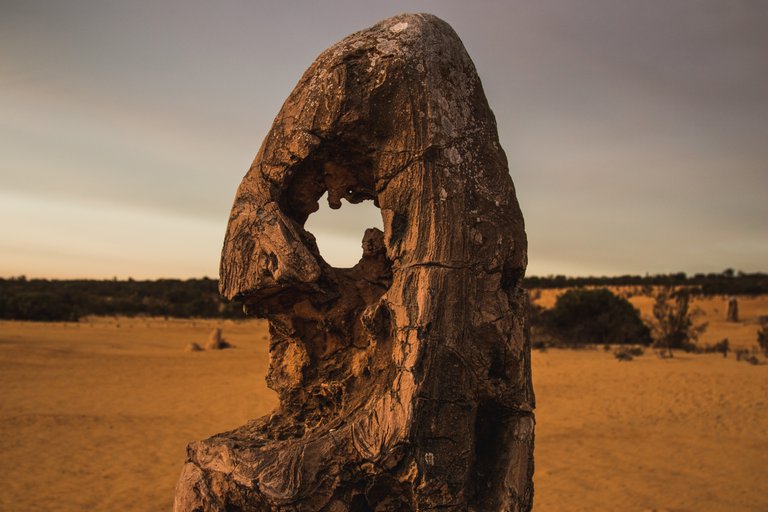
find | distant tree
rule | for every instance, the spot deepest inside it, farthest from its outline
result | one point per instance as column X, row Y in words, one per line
column 646, row 290
column 583, row 316
column 674, row 323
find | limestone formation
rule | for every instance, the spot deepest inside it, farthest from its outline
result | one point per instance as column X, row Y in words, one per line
column 215, row 341
column 733, row 310
column 405, row 381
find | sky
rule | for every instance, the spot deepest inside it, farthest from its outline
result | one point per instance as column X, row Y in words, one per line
column 636, row 132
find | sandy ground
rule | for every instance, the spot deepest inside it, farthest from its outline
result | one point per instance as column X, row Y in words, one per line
column 686, row 434
column 96, row 416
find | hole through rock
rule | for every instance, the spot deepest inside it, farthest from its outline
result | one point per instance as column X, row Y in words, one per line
column 339, row 233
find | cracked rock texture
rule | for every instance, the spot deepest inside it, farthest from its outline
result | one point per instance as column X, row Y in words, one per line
column 405, row 381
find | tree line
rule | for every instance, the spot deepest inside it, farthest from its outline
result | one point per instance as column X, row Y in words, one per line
column 70, row 300
column 727, row 282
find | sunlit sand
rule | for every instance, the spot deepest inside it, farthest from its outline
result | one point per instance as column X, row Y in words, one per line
column 96, row 416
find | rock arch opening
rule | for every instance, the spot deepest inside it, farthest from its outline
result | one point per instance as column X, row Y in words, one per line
column 339, row 233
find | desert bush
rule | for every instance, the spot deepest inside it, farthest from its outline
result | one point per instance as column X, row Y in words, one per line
column 674, row 321
column 762, row 338
column 743, row 354
column 534, row 312
column 583, row 317
column 721, row 347
column 627, row 353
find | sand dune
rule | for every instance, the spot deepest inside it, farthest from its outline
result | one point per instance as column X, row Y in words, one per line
column 96, row 416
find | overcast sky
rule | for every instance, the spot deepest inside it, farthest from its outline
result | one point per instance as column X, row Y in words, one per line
column 636, row 132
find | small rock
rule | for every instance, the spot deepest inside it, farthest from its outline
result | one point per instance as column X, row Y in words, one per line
column 216, row 342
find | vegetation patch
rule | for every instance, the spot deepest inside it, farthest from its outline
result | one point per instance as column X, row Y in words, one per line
column 591, row 316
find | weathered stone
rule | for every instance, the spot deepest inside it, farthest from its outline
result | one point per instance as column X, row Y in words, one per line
column 405, row 381
column 216, row 341
column 733, row 310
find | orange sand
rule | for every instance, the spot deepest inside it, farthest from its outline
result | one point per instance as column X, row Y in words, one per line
column 686, row 434
column 96, row 416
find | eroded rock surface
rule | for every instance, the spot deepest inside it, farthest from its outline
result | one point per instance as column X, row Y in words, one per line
column 405, row 381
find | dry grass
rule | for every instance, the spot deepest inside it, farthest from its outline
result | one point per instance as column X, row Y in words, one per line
column 96, row 416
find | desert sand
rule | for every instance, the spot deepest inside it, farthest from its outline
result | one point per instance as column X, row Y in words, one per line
column 96, row 416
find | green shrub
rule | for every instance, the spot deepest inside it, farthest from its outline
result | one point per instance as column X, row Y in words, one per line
column 674, row 321
column 582, row 316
